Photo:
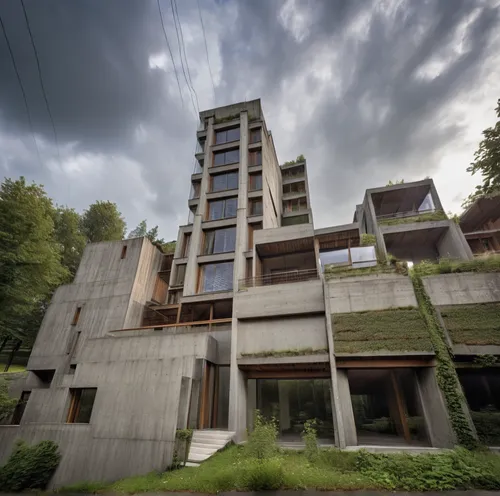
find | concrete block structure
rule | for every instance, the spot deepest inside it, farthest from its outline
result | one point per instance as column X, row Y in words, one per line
column 244, row 316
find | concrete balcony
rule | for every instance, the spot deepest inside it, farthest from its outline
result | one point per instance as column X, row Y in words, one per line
column 180, row 328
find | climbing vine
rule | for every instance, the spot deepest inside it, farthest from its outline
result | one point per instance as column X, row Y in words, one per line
column 445, row 370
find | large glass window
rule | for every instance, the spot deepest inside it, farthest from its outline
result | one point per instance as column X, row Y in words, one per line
column 82, row 402
column 218, row 277
column 222, row 182
column 255, row 182
column 220, row 241
column 222, row 209
column 255, row 136
column 227, row 135
column 255, row 158
column 228, row 157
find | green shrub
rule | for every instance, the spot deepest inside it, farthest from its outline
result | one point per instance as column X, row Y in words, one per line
column 310, row 440
column 7, row 404
column 437, row 215
column 487, row 424
column 225, row 480
column 261, row 442
column 29, row 467
column 457, row 469
column 263, row 476
column 368, row 240
column 487, row 263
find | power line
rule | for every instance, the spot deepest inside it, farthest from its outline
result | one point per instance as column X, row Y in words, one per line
column 180, row 56
column 21, row 86
column 41, row 79
column 206, row 49
column 185, row 56
column 170, row 51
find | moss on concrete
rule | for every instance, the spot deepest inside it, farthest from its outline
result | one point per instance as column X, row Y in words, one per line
column 438, row 215
column 336, row 272
column 398, row 329
column 477, row 324
column 286, row 353
column 487, row 263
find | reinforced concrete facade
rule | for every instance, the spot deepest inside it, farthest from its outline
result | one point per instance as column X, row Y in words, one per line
column 256, row 309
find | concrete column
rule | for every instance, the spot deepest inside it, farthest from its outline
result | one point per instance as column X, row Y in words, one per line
column 453, row 243
column 251, row 402
column 284, row 403
column 372, row 219
column 351, row 438
column 435, row 197
column 191, row 277
column 434, row 409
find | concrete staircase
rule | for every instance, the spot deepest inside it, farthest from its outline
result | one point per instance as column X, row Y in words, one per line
column 205, row 443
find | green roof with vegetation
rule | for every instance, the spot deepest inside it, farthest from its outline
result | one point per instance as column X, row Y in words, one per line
column 487, row 263
column 437, row 215
column 336, row 271
column 477, row 324
column 396, row 329
column 286, row 353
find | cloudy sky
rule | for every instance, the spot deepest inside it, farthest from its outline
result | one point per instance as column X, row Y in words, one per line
column 368, row 91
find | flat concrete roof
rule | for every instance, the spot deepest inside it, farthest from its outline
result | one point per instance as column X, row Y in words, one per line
column 479, row 213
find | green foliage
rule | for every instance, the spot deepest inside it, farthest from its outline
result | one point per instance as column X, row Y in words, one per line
column 477, row 324
column 69, row 237
column 335, row 272
column 310, row 439
column 29, row 467
column 261, row 443
column 487, row 162
column 84, row 487
column 7, row 404
column 485, row 361
column 385, row 425
column 263, row 476
column 300, row 158
column 103, row 222
column 30, row 261
column 368, row 240
column 437, row 215
column 487, row 424
column 400, row 181
column 457, row 469
column 184, row 434
column 228, row 118
column 397, row 329
column 286, row 353
column 489, row 263
column 168, row 247
column 142, row 230
column 445, row 369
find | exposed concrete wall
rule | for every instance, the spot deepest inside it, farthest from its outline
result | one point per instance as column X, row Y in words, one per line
column 278, row 334
column 345, row 404
column 271, row 183
column 280, row 299
column 374, row 292
column 458, row 289
column 286, row 233
column 453, row 244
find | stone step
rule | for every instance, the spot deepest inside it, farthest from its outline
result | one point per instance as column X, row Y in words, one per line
column 206, row 443
column 203, row 449
column 198, row 457
column 212, row 435
column 192, row 464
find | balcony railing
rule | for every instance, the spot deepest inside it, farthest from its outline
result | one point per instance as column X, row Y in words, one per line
column 410, row 213
column 278, row 278
column 202, row 325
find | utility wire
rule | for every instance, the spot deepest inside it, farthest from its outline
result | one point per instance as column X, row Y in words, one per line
column 185, row 56
column 170, row 52
column 41, row 79
column 180, row 56
column 12, row 58
column 206, row 49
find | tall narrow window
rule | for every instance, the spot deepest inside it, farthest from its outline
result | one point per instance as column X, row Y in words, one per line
column 222, row 182
column 228, row 157
column 255, row 206
column 20, row 407
column 124, row 252
column 255, row 182
column 217, row 277
column 222, row 209
column 255, row 135
column 185, row 246
column 220, row 241
column 76, row 316
column 227, row 135
column 255, row 158
column 81, row 404
column 180, row 275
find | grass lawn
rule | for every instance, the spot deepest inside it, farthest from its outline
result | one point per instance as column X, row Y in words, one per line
column 12, row 368
column 232, row 469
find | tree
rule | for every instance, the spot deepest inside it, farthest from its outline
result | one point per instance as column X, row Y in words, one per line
column 390, row 183
column 487, row 162
column 103, row 222
column 70, row 238
column 142, row 230
column 30, row 262
column 7, row 403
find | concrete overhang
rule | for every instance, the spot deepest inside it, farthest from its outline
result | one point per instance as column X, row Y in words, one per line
column 199, row 156
column 252, row 147
column 255, row 194
column 337, row 229
column 465, row 350
column 254, row 168
column 227, row 124
column 294, row 195
column 222, row 194
column 296, row 179
column 254, row 219
column 399, row 197
column 304, row 211
column 229, row 145
column 253, row 107
column 207, row 297
column 217, row 257
column 336, row 237
column 214, row 224
column 193, row 202
column 196, row 177
column 479, row 213
column 246, row 361
column 414, row 234
column 291, row 166
column 282, row 240
column 224, row 168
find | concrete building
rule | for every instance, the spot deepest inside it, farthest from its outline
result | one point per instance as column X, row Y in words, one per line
column 243, row 316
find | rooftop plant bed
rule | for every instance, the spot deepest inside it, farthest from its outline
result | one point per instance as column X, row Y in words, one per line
column 298, row 160
column 335, row 272
column 477, row 324
column 489, row 263
column 438, row 215
column 396, row 329
column 368, row 240
column 286, row 353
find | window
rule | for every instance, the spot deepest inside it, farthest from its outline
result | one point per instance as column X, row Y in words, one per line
column 180, row 275
column 217, row 277
column 255, row 206
column 20, row 407
column 173, row 297
column 299, row 187
column 295, row 205
column 80, row 407
column 222, row 209
column 222, row 182
column 185, row 246
column 229, row 157
column 255, row 158
column 249, row 268
column 255, row 135
column 227, row 135
column 220, row 241
column 255, row 182
column 76, row 316
column 124, row 252
column 251, row 229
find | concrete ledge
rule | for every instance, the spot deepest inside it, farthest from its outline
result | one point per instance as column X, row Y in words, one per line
column 224, row 168
column 197, row 177
column 286, row 233
column 467, row 349
column 216, row 257
column 214, row 224
column 253, row 219
column 222, row 194
column 387, row 354
column 414, row 226
column 255, row 194
column 334, row 229
column 254, row 168
column 318, row 358
column 229, row 145
column 216, row 295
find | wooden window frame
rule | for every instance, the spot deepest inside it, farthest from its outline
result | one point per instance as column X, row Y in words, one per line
column 75, row 405
column 76, row 316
